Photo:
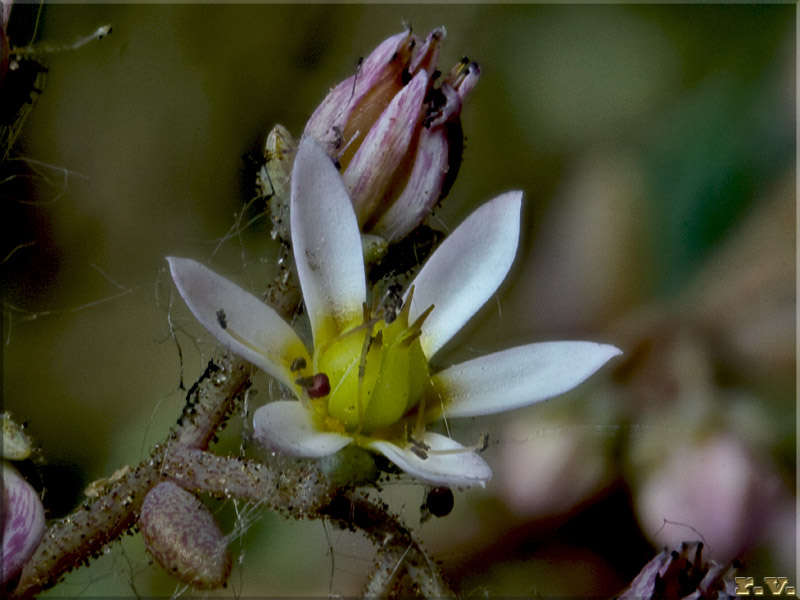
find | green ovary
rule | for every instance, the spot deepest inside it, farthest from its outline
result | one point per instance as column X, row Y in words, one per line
column 395, row 374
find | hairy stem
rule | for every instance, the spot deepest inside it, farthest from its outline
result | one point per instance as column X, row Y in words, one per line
column 73, row 540
column 302, row 490
column 399, row 550
column 298, row 487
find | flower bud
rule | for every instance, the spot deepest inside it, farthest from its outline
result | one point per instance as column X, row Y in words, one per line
column 394, row 134
column 184, row 537
column 273, row 177
column 716, row 486
column 550, row 474
column 16, row 445
column 273, row 185
column 350, row 466
column 23, row 522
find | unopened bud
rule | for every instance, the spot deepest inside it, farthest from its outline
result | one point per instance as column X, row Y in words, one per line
column 747, row 495
column 395, row 135
column 272, row 180
column 16, row 445
column 350, row 466
column 184, row 537
column 23, row 522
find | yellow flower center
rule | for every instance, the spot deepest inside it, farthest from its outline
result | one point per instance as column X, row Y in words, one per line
column 377, row 373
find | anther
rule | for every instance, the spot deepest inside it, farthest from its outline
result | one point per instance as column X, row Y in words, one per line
column 419, row 447
column 419, row 452
column 421, row 319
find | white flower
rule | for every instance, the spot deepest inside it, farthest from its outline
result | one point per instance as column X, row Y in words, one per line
column 367, row 381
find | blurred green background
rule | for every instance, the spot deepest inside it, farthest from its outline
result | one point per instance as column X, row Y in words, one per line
column 655, row 146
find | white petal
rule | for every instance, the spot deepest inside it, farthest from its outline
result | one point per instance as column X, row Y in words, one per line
column 327, row 244
column 519, row 376
column 466, row 270
column 447, row 462
column 253, row 330
column 286, row 426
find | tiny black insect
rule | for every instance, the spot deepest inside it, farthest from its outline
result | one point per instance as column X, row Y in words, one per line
column 222, row 319
column 440, row 501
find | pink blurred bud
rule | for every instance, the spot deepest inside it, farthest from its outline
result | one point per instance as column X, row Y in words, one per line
column 715, row 489
column 184, row 537
column 394, row 133
column 544, row 474
column 23, row 521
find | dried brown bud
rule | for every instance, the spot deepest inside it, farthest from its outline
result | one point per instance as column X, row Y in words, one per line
column 682, row 573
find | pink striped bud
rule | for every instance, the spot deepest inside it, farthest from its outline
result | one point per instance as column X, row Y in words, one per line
column 23, row 522
column 395, row 132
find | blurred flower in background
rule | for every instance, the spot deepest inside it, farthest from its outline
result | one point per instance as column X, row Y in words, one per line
column 685, row 250
column 715, row 489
